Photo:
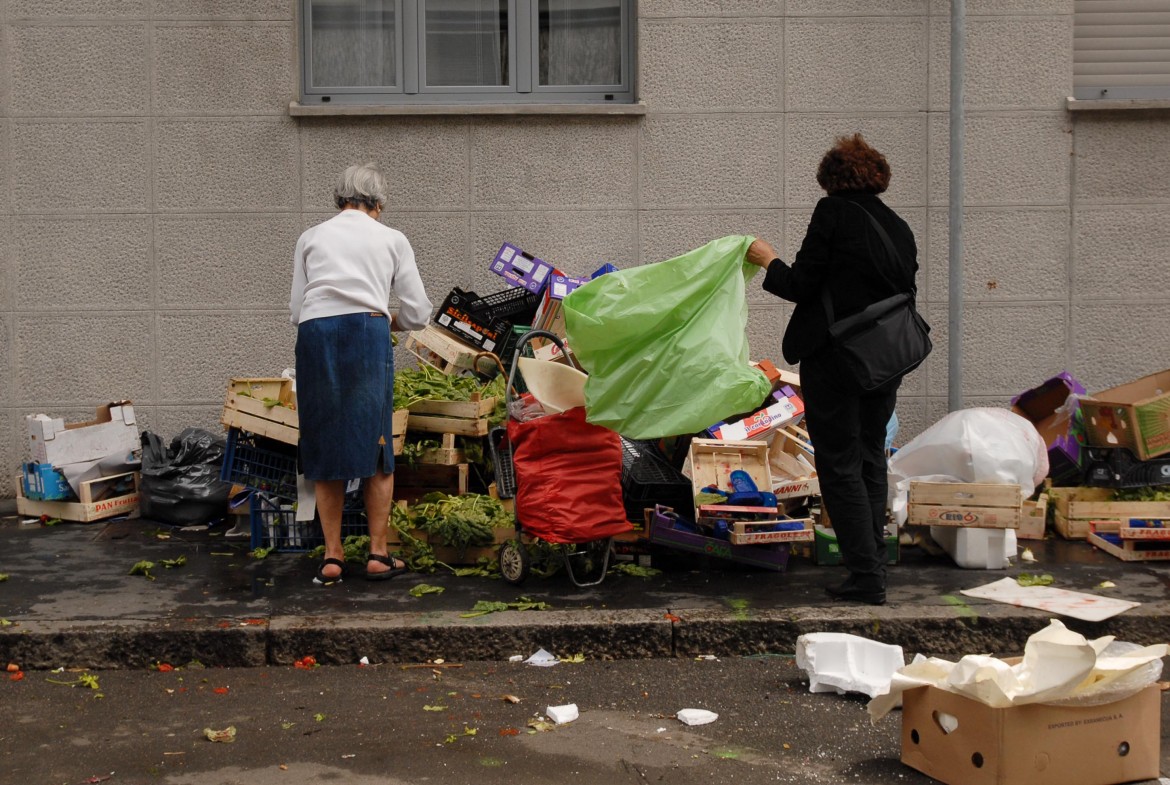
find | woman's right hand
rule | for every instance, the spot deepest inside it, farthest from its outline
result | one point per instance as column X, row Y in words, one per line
column 761, row 253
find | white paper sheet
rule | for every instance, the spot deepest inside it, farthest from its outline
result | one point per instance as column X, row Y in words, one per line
column 1087, row 607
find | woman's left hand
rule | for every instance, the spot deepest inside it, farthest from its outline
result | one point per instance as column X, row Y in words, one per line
column 761, row 253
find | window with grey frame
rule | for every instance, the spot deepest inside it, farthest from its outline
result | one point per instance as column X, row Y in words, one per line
column 467, row 51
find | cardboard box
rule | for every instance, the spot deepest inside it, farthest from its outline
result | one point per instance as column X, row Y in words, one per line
column 1129, row 542
column 44, row 483
column 786, row 408
column 1134, row 415
column 265, row 406
column 978, row 505
column 1058, row 420
column 111, row 432
column 1032, row 744
column 521, row 269
column 1075, row 508
column 827, row 552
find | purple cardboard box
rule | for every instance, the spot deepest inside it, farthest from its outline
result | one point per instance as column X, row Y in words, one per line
column 1056, row 417
column 521, row 269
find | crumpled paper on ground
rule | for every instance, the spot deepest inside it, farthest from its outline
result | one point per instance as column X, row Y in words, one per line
column 1058, row 665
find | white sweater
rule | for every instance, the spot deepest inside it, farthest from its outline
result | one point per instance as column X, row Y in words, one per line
column 350, row 264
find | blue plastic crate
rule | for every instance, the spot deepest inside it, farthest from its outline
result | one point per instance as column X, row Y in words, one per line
column 260, row 464
column 275, row 525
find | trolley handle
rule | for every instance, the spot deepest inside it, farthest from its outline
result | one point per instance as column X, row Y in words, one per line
column 524, row 339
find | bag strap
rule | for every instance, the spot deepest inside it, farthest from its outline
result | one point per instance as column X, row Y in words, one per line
column 890, row 249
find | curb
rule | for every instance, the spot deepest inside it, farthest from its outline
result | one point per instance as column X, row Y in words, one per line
column 598, row 634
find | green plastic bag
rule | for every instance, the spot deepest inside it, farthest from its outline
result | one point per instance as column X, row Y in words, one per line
column 665, row 344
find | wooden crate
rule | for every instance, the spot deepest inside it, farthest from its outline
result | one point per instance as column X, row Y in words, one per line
column 713, row 460
column 758, row 532
column 1137, row 543
column 1076, row 507
column 451, row 555
column 413, row 482
column 440, row 350
column 464, row 418
column 1033, row 519
column 790, row 459
column 446, row 454
column 977, row 505
column 91, row 507
column 244, row 407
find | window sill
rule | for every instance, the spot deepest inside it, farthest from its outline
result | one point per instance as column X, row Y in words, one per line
column 297, row 109
column 1115, row 104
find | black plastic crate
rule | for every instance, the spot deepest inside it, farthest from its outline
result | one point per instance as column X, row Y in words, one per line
column 648, row 479
column 260, row 464
column 275, row 525
column 1118, row 467
column 516, row 305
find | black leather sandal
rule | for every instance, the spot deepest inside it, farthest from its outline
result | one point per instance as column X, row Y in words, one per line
column 385, row 575
column 323, row 580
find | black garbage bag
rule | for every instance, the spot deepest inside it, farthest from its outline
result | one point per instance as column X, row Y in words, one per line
column 180, row 484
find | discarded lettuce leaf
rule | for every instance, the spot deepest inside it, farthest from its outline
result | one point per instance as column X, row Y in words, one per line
column 1106, row 585
column 1027, row 555
column 319, row 717
column 425, row 588
column 573, row 658
column 541, row 725
column 259, row 553
column 143, row 568
column 635, row 570
column 434, row 708
column 169, row 563
column 1027, row 579
column 3, row 577
column 227, row 735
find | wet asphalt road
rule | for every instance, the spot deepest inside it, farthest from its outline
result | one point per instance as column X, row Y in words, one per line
column 386, row 724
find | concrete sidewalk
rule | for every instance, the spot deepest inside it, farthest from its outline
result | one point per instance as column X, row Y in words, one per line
column 70, row 601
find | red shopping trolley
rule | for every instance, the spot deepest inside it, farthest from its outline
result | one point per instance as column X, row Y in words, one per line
column 565, row 476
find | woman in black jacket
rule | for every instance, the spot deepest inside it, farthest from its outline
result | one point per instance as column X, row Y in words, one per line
column 843, row 256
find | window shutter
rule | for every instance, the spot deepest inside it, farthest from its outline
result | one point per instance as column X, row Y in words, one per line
column 1121, row 49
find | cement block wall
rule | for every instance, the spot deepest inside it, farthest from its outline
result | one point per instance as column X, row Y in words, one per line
column 152, row 185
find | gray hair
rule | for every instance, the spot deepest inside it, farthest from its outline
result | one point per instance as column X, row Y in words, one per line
column 361, row 184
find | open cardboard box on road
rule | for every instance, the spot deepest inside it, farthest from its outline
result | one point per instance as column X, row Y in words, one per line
column 1034, row 744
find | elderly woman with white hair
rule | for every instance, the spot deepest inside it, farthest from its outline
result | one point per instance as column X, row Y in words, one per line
column 343, row 274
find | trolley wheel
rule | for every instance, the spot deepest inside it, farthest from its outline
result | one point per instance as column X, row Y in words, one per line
column 515, row 562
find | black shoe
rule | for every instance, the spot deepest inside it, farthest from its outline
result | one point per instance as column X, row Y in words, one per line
column 853, row 590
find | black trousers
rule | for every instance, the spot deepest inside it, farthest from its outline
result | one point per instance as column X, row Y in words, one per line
column 848, row 431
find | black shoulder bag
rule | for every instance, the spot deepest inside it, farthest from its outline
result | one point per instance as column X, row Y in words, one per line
column 886, row 340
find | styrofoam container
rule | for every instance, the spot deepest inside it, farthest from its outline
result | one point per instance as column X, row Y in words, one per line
column 562, row 714
column 976, row 549
column 838, row 661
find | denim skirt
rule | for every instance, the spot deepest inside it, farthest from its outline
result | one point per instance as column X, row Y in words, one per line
column 345, row 396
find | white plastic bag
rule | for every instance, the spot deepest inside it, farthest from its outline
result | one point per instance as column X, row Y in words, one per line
column 971, row 445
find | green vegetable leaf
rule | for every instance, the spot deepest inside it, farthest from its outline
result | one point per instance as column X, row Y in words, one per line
column 425, row 588
column 169, row 563
column 434, row 708
column 143, row 568
column 1028, row 579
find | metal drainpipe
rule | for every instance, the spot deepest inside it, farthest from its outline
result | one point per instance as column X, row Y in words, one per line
column 955, row 267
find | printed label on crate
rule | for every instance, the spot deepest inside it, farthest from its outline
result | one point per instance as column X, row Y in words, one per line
column 521, row 269
column 961, row 516
column 120, row 503
column 462, row 323
column 797, row 489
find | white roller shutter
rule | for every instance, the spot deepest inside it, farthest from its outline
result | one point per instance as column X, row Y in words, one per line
column 1121, row 49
